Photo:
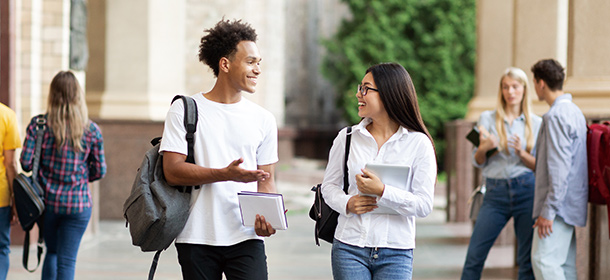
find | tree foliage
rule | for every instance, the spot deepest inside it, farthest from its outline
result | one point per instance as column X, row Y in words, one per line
column 433, row 39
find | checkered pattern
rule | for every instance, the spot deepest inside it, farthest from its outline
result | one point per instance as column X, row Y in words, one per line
column 65, row 173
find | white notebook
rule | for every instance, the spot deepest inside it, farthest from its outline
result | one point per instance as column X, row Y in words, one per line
column 270, row 205
column 398, row 176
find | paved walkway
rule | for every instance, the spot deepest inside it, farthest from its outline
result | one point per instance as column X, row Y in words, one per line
column 291, row 254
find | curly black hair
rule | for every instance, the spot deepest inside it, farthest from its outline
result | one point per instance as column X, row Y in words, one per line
column 221, row 41
column 551, row 72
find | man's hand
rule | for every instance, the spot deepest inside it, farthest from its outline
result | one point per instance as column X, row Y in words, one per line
column 262, row 227
column 358, row 204
column 545, row 227
column 368, row 183
column 239, row 174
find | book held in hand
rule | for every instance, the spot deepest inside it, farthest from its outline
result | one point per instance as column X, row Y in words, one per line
column 398, row 176
column 269, row 205
column 473, row 137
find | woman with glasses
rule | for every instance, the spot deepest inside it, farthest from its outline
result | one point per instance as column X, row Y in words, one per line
column 512, row 129
column 72, row 155
column 369, row 244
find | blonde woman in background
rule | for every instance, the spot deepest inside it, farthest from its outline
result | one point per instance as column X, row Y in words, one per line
column 72, row 155
column 512, row 129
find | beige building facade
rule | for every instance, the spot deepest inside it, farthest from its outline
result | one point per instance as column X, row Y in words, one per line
column 520, row 32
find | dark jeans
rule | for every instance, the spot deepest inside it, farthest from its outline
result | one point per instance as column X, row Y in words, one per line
column 62, row 236
column 504, row 198
column 245, row 260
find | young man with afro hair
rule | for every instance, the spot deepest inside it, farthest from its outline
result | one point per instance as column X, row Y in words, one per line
column 235, row 150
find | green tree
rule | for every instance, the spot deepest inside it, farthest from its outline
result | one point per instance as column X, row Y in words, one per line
column 433, row 39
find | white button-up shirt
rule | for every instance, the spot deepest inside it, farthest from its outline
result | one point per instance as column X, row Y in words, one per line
column 405, row 147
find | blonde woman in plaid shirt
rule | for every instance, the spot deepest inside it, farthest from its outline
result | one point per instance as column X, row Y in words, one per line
column 72, row 155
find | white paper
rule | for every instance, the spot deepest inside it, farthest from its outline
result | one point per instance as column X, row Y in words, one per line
column 269, row 205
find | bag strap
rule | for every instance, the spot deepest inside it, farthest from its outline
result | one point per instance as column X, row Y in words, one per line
column 40, row 127
column 153, row 266
column 26, row 248
column 190, row 123
column 348, row 140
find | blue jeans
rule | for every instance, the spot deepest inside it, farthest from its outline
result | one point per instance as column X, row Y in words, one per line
column 5, row 240
column 62, row 236
column 356, row 263
column 504, row 198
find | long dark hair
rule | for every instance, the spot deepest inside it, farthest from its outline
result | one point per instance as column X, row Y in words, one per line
column 398, row 96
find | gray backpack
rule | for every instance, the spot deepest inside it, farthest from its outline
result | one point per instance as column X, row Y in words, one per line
column 155, row 211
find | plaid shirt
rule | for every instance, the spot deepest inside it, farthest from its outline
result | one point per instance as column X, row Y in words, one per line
column 65, row 173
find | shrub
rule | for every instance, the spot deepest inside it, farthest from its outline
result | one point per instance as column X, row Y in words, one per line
column 433, row 39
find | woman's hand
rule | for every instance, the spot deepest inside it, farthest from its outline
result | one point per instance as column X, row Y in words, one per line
column 528, row 160
column 369, row 183
column 487, row 141
column 359, row 204
column 515, row 142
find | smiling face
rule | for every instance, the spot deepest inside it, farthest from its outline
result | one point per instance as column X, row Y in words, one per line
column 512, row 91
column 369, row 105
column 244, row 67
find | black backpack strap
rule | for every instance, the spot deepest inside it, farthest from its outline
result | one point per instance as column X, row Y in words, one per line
column 26, row 248
column 40, row 127
column 190, row 124
column 153, row 266
column 348, row 140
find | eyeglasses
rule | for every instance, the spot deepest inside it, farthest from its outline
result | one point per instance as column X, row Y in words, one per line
column 364, row 90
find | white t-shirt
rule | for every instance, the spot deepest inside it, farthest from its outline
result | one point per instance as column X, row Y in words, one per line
column 225, row 132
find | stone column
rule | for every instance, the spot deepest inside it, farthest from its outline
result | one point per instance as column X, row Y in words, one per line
column 495, row 24
column 143, row 48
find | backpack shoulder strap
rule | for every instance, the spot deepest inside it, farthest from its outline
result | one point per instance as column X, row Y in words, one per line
column 190, row 123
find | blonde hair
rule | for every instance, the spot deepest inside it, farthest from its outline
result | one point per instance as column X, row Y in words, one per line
column 67, row 111
column 526, row 110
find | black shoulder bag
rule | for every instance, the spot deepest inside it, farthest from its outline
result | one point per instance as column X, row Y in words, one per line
column 324, row 216
column 29, row 198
